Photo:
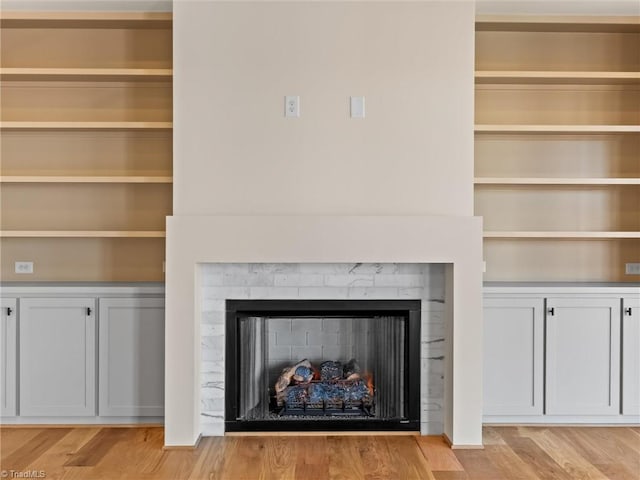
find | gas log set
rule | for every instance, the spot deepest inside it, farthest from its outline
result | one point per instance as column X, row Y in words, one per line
column 331, row 389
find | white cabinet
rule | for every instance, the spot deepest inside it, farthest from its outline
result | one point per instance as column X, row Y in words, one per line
column 631, row 355
column 131, row 358
column 583, row 356
column 8, row 357
column 57, row 357
column 513, row 356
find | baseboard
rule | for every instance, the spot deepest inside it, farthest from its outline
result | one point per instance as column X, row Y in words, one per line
column 184, row 447
column 455, row 446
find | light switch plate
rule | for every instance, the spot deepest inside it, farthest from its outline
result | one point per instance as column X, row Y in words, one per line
column 357, row 107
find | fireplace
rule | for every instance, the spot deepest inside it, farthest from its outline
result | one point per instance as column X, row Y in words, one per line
column 210, row 261
column 322, row 365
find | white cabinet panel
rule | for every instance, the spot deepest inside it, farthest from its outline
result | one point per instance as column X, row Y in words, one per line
column 131, row 357
column 631, row 356
column 513, row 356
column 57, row 357
column 8, row 357
column 583, row 356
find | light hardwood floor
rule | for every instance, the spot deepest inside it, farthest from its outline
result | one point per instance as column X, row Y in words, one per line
column 511, row 453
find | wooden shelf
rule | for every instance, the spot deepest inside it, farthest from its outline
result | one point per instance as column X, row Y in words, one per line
column 86, row 125
column 84, row 179
column 96, row 19
column 558, row 23
column 93, row 74
column 487, row 128
column 82, row 234
column 555, row 77
column 554, row 181
column 559, row 234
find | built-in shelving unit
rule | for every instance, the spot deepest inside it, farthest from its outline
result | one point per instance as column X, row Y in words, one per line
column 86, row 128
column 557, row 149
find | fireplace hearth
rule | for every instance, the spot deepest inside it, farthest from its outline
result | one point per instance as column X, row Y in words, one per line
column 322, row 365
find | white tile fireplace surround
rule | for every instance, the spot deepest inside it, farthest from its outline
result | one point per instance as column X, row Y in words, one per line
column 437, row 260
column 326, row 281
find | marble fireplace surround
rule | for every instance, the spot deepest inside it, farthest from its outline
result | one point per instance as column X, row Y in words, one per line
column 193, row 241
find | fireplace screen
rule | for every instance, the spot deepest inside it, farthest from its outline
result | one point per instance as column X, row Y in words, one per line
column 328, row 364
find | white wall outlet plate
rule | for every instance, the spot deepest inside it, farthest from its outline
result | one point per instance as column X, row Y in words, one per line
column 24, row 267
column 291, row 106
column 632, row 268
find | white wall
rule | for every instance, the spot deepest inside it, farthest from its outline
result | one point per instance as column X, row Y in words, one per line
column 236, row 154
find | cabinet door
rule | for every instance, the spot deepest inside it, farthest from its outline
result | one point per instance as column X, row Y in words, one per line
column 131, row 357
column 583, row 356
column 8, row 357
column 513, row 356
column 631, row 356
column 57, row 357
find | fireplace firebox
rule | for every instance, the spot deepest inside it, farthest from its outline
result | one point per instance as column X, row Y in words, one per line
column 321, row 365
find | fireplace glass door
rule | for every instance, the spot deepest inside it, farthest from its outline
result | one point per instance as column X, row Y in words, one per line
column 322, row 364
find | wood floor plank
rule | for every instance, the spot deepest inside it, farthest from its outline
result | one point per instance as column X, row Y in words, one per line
column 627, row 435
column 408, row 459
column 56, row 456
column 210, row 464
column 247, row 459
column 530, row 453
column 138, row 453
column 312, row 459
column 13, row 438
column 585, row 445
column 478, row 466
column 566, row 456
column 173, row 464
column 439, row 454
column 34, row 448
column 490, row 436
column 97, row 447
column 281, row 458
column 615, row 471
column 450, row 475
column 344, row 459
column 509, row 464
column 82, row 473
column 603, row 446
column 376, row 458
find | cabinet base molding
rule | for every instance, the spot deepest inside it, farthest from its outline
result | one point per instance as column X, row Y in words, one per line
column 563, row 421
column 77, row 422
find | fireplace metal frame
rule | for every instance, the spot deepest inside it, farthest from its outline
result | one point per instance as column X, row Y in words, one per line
column 410, row 309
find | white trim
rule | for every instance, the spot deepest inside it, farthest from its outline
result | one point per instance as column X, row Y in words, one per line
column 58, row 290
